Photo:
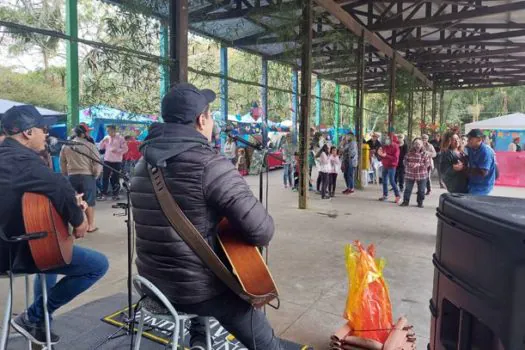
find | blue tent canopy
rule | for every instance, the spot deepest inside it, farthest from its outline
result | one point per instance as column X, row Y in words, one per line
column 99, row 116
column 6, row 104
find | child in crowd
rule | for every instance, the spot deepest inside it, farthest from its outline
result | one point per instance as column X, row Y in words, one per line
column 241, row 162
column 335, row 164
column 296, row 172
column 324, row 171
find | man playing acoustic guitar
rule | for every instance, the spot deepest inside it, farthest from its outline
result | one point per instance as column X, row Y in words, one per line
column 21, row 171
column 207, row 187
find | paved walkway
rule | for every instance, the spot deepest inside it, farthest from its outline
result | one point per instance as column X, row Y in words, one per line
column 307, row 257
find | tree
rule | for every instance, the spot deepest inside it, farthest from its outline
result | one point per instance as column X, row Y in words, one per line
column 44, row 14
column 34, row 88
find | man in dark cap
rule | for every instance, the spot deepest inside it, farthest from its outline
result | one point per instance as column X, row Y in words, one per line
column 207, row 187
column 23, row 170
column 481, row 168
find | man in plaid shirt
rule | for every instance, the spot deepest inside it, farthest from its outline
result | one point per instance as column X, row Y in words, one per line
column 417, row 162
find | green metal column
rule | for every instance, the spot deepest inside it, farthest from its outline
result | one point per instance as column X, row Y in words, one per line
column 337, row 114
column 72, row 85
column 318, row 102
column 165, row 54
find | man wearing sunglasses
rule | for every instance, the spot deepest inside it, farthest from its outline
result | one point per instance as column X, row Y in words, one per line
column 23, row 170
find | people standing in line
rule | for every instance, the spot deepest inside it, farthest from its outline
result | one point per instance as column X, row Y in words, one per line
column 400, row 170
column 452, row 154
column 389, row 153
column 431, row 152
column 288, row 156
column 349, row 163
column 115, row 147
column 132, row 156
column 335, row 164
column 82, row 171
column 230, row 150
column 515, row 145
column 324, row 170
column 416, row 163
column 481, row 167
column 436, row 143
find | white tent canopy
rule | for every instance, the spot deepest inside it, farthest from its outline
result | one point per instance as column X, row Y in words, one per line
column 515, row 121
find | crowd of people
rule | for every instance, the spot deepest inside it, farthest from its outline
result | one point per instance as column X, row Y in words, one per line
column 463, row 163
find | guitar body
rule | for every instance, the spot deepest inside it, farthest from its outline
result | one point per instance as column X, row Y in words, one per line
column 247, row 263
column 54, row 250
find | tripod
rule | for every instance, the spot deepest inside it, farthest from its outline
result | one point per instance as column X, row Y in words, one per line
column 128, row 322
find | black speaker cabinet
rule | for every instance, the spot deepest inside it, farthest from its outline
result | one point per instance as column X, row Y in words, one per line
column 478, row 299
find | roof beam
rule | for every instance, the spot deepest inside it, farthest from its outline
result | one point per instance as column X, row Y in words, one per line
column 448, row 18
column 467, row 55
column 353, row 25
column 466, row 66
column 199, row 16
column 477, row 39
column 481, row 25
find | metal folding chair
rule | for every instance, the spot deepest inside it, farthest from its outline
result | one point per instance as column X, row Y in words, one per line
column 162, row 309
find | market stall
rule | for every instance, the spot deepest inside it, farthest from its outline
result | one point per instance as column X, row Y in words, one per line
column 502, row 132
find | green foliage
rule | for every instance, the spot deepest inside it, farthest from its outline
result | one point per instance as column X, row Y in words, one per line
column 42, row 14
column 34, row 88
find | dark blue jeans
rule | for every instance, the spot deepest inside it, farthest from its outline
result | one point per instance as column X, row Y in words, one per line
column 389, row 174
column 237, row 317
column 349, row 177
column 287, row 174
column 86, row 268
column 409, row 186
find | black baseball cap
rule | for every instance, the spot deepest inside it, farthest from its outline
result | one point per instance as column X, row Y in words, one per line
column 24, row 117
column 475, row 133
column 184, row 102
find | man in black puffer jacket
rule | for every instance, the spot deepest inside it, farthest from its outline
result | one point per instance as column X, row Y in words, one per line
column 207, row 187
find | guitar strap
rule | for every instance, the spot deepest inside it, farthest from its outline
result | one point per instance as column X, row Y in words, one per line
column 187, row 231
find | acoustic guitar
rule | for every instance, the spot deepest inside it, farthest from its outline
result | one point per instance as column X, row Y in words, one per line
column 247, row 264
column 54, row 250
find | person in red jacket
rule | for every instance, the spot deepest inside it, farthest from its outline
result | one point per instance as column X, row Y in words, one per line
column 389, row 152
column 132, row 156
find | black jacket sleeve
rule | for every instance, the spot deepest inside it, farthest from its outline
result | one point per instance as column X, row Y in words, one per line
column 230, row 195
column 40, row 179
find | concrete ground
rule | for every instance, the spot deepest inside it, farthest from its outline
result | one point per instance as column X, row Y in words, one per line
column 306, row 257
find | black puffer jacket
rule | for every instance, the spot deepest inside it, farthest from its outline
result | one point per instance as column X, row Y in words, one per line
column 207, row 187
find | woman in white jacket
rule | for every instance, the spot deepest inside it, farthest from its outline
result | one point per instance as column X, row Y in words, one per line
column 324, row 169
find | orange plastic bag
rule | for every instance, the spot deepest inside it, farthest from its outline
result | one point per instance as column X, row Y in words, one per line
column 368, row 307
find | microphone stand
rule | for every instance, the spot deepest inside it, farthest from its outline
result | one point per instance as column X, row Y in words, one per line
column 264, row 150
column 128, row 322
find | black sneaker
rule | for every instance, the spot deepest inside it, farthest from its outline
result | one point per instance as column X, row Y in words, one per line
column 115, row 198
column 420, row 205
column 404, row 204
column 34, row 332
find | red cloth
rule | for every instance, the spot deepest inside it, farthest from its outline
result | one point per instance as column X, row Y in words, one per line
column 391, row 158
column 511, row 167
column 133, row 152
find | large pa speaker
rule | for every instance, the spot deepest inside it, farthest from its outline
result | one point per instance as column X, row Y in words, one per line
column 478, row 299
